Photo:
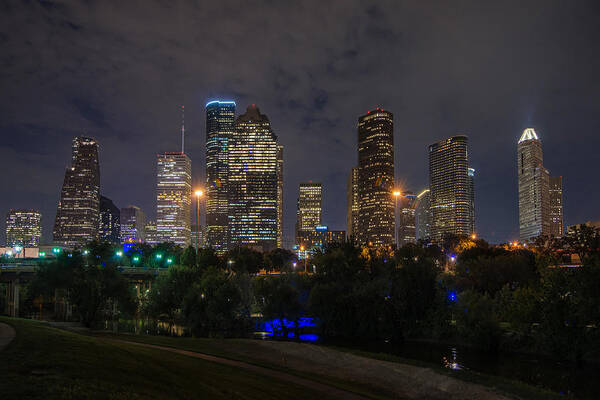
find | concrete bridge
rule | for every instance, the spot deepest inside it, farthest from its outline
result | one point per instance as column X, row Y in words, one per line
column 17, row 275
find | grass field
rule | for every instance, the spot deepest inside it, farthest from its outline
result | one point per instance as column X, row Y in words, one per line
column 44, row 362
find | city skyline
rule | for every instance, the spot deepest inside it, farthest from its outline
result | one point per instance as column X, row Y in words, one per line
column 312, row 101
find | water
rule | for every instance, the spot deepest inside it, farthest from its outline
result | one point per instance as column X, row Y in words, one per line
column 561, row 377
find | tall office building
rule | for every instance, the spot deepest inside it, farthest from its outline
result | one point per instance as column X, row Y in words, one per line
column 78, row 212
column 23, row 228
column 352, row 203
column 471, row 175
column 253, row 182
column 220, row 117
column 376, row 223
column 309, row 212
column 423, row 216
column 198, row 236
column 133, row 225
column 450, row 188
column 279, row 196
column 407, row 225
column 151, row 234
column 173, row 198
column 110, row 221
column 534, row 194
column 556, row 206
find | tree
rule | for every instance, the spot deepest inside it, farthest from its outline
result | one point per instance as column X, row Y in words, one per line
column 278, row 299
column 278, row 260
column 213, row 307
column 91, row 288
column 188, row 257
column 245, row 260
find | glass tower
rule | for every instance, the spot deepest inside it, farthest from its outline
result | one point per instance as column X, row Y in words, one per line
column 220, row 117
column 407, row 229
column 534, row 194
column 110, row 221
column 376, row 222
column 253, row 182
column 23, row 228
column 423, row 216
column 556, row 206
column 450, row 188
column 173, row 198
column 78, row 213
column 352, row 203
column 309, row 212
column 279, row 196
column 133, row 225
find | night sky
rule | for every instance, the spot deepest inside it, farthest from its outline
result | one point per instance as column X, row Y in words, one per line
column 119, row 72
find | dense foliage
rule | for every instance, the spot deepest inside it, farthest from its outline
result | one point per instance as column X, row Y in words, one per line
column 496, row 298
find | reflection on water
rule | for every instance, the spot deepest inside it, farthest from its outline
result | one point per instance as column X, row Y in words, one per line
column 452, row 363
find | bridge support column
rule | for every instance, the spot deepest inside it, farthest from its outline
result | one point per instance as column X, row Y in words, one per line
column 13, row 294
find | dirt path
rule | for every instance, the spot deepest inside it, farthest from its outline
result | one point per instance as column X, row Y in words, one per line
column 7, row 334
column 326, row 389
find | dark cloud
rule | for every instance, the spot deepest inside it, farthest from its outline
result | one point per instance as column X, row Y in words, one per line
column 119, row 71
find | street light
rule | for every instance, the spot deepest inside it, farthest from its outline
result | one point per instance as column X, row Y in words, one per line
column 396, row 194
column 119, row 253
column 198, row 194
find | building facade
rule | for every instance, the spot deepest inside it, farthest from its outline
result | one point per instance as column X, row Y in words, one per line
column 309, row 212
column 173, row 198
column 133, row 225
column 317, row 238
column 556, row 206
column 151, row 234
column 220, row 118
column 198, row 236
column 253, row 182
column 110, row 221
column 451, row 188
column 423, row 216
column 376, row 216
column 279, row 196
column 534, row 193
column 352, row 203
column 78, row 212
column 407, row 224
column 23, row 228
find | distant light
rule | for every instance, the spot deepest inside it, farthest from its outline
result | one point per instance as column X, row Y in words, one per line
column 119, row 253
column 136, row 259
column 169, row 261
column 321, row 227
column 198, row 193
column 452, row 296
column 86, row 252
column 158, row 256
column 397, row 193
column 18, row 248
column 56, row 250
column 42, row 254
column 219, row 102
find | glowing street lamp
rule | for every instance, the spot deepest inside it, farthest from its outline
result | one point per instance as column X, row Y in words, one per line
column 158, row 256
column 198, row 194
column 136, row 259
column 119, row 253
column 396, row 193
column 169, row 261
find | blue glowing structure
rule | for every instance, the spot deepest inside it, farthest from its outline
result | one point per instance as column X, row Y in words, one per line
column 219, row 102
column 452, row 296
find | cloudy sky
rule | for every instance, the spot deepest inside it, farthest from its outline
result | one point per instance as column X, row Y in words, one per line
column 119, row 71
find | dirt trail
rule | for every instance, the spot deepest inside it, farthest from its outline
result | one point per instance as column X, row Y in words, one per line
column 7, row 334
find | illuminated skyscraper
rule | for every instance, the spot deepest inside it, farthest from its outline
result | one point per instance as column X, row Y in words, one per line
column 110, row 221
column 534, row 194
column 151, row 235
column 78, row 212
column 352, row 203
column 423, row 216
column 253, row 182
column 471, row 174
column 173, row 198
column 407, row 221
column 450, row 188
column 309, row 212
column 279, row 196
column 556, row 206
column 375, row 179
column 133, row 225
column 220, row 117
column 23, row 228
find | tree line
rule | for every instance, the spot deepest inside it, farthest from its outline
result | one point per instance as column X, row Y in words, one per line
column 496, row 298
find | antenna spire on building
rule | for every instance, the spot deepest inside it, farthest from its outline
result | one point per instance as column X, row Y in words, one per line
column 182, row 128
